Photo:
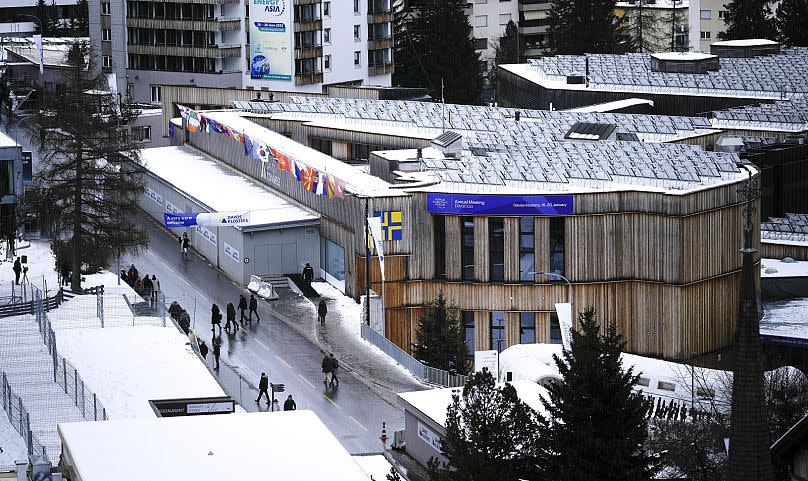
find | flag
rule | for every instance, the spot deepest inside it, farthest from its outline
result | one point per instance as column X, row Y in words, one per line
column 330, row 186
column 216, row 126
column 260, row 151
column 248, row 147
column 193, row 121
column 170, row 129
column 284, row 163
column 38, row 43
column 339, row 188
column 309, row 179
column 375, row 228
column 322, row 180
column 392, row 224
column 297, row 171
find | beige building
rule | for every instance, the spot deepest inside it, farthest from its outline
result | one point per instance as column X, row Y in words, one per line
column 706, row 18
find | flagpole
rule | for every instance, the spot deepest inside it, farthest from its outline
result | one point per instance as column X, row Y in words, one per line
column 367, row 262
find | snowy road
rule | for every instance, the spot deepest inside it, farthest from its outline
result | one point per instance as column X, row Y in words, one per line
column 352, row 412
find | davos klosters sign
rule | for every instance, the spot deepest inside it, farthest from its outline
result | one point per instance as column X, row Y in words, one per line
column 469, row 204
column 271, row 40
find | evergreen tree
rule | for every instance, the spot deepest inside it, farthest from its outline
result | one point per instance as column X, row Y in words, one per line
column 748, row 19
column 81, row 23
column 89, row 181
column 644, row 30
column 597, row 422
column 441, row 337
column 53, row 26
column 584, row 26
column 791, row 15
column 509, row 48
column 490, row 435
column 435, row 50
column 42, row 15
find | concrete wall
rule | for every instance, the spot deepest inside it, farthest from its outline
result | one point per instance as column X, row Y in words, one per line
column 417, row 447
column 144, row 79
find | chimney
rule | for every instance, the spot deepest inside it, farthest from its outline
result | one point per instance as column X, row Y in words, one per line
column 517, row 115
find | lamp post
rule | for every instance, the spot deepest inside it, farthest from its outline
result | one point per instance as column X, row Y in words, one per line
column 557, row 276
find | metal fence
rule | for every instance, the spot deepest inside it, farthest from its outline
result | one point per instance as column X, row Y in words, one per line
column 417, row 368
column 20, row 419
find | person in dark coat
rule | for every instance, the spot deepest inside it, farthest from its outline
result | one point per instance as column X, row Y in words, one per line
column 184, row 321
column 174, row 310
column 185, row 242
column 334, row 369
column 322, row 310
column 289, row 404
column 124, row 277
column 17, row 270
column 66, row 274
column 327, row 366
column 203, row 349
column 215, row 319
column 242, row 306
column 263, row 387
column 132, row 275
column 217, row 350
column 231, row 317
column 308, row 275
column 254, row 308
column 147, row 288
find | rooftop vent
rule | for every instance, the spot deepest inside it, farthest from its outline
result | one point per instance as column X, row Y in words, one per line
column 591, row 131
column 684, row 62
column 448, row 143
column 729, row 144
column 627, row 137
column 752, row 47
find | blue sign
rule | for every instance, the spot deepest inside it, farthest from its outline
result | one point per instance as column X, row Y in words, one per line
column 179, row 220
column 472, row 204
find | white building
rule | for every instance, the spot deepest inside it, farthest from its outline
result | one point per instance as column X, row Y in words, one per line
column 489, row 18
column 289, row 45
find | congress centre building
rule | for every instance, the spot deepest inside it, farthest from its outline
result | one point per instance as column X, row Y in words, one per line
column 498, row 208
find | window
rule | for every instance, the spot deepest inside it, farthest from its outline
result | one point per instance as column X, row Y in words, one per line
column 557, row 245
column 332, row 262
column 106, row 34
column 527, row 328
column 480, row 43
column 504, row 18
column 440, row 246
column 467, row 249
column 527, row 256
column 106, row 61
column 141, row 134
column 555, row 329
column 481, row 20
column 496, row 249
column 643, row 381
column 666, row 386
column 357, row 59
column 326, row 9
column 468, row 320
column 483, row 66
column 155, row 94
column 705, row 392
column 498, row 341
column 705, row 35
column 130, row 90
column 706, row 14
column 357, row 34
column 326, row 35
column 722, row 14
column 327, row 62
column 106, row 8
column 356, row 7
column 480, row 1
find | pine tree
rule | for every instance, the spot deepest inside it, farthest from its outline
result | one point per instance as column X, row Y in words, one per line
column 509, row 48
column 435, row 50
column 644, row 29
column 748, row 19
column 81, row 22
column 53, row 26
column 42, row 15
column 89, row 181
column 791, row 15
column 441, row 337
column 597, row 423
column 490, row 435
column 584, row 26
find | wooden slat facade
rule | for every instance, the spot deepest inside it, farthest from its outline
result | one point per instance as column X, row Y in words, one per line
column 773, row 250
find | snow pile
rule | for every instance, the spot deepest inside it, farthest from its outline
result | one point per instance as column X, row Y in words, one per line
column 376, row 466
column 128, row 366
column 11, row 442
column 344, row 309
column 778, row 268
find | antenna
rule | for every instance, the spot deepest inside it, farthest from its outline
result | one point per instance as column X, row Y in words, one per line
column 442, row 108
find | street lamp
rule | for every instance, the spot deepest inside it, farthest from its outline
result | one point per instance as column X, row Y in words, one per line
column 557, row 276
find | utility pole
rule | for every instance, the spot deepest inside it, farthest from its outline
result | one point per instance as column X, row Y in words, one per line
column 367, row 262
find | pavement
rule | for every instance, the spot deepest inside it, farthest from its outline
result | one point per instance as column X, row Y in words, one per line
column 289, row 353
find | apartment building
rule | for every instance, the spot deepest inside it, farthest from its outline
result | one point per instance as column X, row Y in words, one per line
column 710, row 17
column 488, row 19
column 287, row 45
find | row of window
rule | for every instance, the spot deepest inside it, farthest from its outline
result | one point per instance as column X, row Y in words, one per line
column 708, row 14
column 496, row 248
column 498, row 336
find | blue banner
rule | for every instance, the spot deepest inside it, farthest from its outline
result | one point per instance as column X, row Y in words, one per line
column 179, row 220
column 473, row 204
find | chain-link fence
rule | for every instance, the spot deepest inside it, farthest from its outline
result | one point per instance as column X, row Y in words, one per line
column 19, row 418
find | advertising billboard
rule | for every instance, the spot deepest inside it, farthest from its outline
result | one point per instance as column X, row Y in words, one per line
column 465, row 204
column 271, row 32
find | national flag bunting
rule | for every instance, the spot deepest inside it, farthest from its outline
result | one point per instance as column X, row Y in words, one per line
column 309, row 179
column 248, row 148
column 339, row 188
column 283, row 161
column 322, row 180
column 297, row 171
column 331, row 186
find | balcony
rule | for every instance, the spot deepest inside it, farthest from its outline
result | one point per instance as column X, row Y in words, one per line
column 214, row 51
column 308, row 52
column 308, row 25
column 214, row 25
column 204, row 2
column 383, row 16
column 379, row 43
column 307, row 2
column 308, row 78
column 380, row 69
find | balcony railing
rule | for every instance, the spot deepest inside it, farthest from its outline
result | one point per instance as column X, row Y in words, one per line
column 309, row 52
column 308, row 25
column 216, row 25
column 378, row 43
column 380, row 17
column 380, row 69
column 308, row 78
column 220, row 51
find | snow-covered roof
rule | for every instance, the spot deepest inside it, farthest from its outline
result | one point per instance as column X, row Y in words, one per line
column 786, row 319
column 357, row 182
column 221, row 189
column 682, row 56
column 612, row 106
column 778, row 268
column 291, row 445
column 748, row 42
column 433, row 403
column 6, row 141
column 114, row 363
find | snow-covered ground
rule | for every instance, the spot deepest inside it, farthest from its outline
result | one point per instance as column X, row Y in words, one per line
column 376, row 466
column 11, row 443
column 128, row 366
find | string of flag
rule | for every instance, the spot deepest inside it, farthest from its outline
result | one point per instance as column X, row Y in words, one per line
column 314, row 181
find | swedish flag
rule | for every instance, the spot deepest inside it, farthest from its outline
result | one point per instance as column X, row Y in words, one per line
column 392, row 224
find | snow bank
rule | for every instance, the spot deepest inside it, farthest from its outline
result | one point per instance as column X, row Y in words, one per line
column 375, row 466
column 11, row 442
column 128, row 366
column 344, row 308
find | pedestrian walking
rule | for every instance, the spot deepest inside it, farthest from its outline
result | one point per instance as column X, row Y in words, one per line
column 147, row 288
column 123, row 277
column 254, row 308
column 184, row 321
column 174, row 310
column 242, row 306
column 231, row 317
column 334, row 369
column 289, row 404
column 322, row 310
column 132, row 275
column 215, row 319
column 185, row 242
column 217, row 350
column 263, row 386
column 139, row 287
column 155, row 288
column 308, row 275
column 17, row 270
column 65, row 271
column 328, row 367
column 203, row 349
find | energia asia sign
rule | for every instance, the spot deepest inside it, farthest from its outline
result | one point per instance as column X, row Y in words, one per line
column 215, row 219
column 471, row 204
column 271, row 40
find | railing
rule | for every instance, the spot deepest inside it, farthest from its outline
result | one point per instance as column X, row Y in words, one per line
column 417, row 368
column 19, row 418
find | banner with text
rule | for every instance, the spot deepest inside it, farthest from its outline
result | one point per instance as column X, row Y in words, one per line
column 206, row 218
column 472, row 204
column 271, row 40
